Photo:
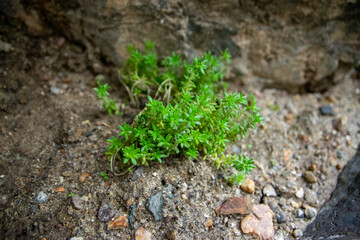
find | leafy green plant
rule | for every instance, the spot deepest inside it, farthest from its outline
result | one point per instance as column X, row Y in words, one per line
column 104, row 175
column 108, row 104
column 71, row 194
column 190, row 117
column 141, row 75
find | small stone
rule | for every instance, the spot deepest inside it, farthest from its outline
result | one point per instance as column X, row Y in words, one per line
column 300, row 193
column 77, row 238
column 311, row 198
column 280, row 216
column 172, row 235
column 339, row 154
column 67, row 173
column 297, row 233
column 77, row 202
column 208, row 223
column 259, row 223
column 234, row 205
column 142, row 234
column 310, row 212
column 105, row 212
column 313, row 167
column 338, row 166
column 82, row 177
column 248, row 186
column 118, row 223
column 269, row 191
column 310, row 177
column 299, row 213
column 155, row 205
column 326, row 110
column 63, row 217
column 340, row 123
column 60, row 189
column 287, row 155
column 137, row 173
column 41, row 197
column 55, row 90
column 130, row 202
column 295, row 204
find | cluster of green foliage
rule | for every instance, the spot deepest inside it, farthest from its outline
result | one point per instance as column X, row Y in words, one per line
column 193, row 118
column 141, row 75
column 108, row 104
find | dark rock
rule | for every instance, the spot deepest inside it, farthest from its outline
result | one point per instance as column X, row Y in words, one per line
column 326, row 110
column 106, row 212
column 155, row 205
column 340, row 216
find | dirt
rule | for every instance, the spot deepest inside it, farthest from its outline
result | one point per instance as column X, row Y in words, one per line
column 53, row 129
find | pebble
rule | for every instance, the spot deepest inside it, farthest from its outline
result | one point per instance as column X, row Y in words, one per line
column 77, row 238
column 297, row 233
column 41, row 197
column 118, row 223
column 269, row 191
column 155, row 205
column 55, row 90
column 299, row 213
column 234, row 205
column 172, row 235
column 259, row 224
column 310, row 212
column 60, row 189
column 82, row 177
column 280, row 216
column 300, row 193
column 67, row 173
column 310, row 177
column 295, row 204
column 326, row 110
column 208, row 223
column 105, row 212
column 339, row 154
column 137, row 173
column 142, row 234
column 248, row 186
column 311, row 198
column 77, row 202
column 340, row 123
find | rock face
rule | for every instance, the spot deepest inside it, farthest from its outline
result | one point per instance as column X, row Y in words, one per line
column 294, row 45
column 340, row 216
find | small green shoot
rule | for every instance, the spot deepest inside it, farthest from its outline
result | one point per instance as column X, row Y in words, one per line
column 108, row 104
column 104, row 175
column 71, row 194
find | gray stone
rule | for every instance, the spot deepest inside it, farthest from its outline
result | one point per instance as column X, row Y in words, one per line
column 299, row 213
column 280, row 216
column 326, row 110
column 310, row 212
column 300, row 193
column 311, row 198
column 269, row 191
column 155, row 205
column 41, row 197
column 77, row 238
column 137, row 173
column 310, row 177
column 106, row 212
column 297, row 233
column 77, row 202
column 55, row 90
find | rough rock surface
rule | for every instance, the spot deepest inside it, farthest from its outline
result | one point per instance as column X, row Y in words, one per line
column 294, row 45
column 340, row 216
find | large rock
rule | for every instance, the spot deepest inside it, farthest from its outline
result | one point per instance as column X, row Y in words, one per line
column 339, row 218
column 295, row 45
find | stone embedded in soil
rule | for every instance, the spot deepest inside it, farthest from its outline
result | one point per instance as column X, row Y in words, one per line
column 77, row 202
column 142, row 234
column 155, row 205
column 234, row 205
column 82, row 177
column 326, row 110
column 172, row 235
column 208, row 223
column 311, row 198
column 297, row 233
column 279, row 214
column 77, row 238
column 60, row 189
column 269, row 191
column 248, row 186
column 259, row 223
column 310, row 212
column 310, row 177
column 137, row 173
column 339, row 123
column 118, row 223
column 106, row 212
column 300, row 193
column 41, row 197
column 299, row 213
column 67, row 173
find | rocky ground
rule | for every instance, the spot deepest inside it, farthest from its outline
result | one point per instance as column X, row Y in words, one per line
column 55, row 179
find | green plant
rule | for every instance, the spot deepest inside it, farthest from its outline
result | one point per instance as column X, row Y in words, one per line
column 141, row 75
column 108, row 104
column 193, row 120
column 71, row 194
column 104, row 175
